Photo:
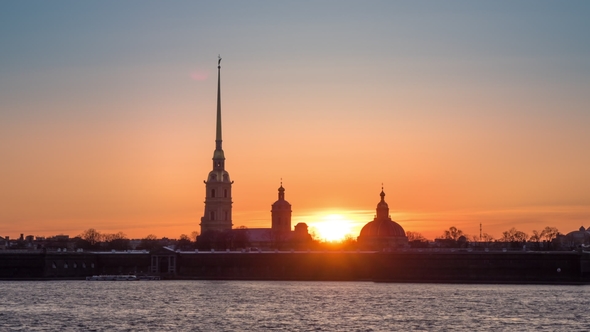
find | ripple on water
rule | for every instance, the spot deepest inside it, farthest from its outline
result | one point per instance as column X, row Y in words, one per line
column 288, row 306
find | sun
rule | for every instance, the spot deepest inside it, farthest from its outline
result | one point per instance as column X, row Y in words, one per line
column 333, row 227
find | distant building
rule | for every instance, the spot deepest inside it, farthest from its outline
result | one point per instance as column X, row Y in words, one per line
column 218, row 203
column 574, row 239
column 382, row 232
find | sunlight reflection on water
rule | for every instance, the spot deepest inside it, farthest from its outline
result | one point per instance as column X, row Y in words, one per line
column 287, row 306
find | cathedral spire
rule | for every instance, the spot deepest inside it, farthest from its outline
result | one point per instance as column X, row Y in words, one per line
column 218, row 129
column 218, row 155
column 218, row 186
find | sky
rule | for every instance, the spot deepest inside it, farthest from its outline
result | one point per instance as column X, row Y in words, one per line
column 468, row 113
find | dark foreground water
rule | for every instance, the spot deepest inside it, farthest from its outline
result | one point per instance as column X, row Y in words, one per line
column 288, row 306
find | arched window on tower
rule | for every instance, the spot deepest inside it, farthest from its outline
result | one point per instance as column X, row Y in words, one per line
column 212, row 192
column 212, row 215
column 225, row 193
column 226, row 215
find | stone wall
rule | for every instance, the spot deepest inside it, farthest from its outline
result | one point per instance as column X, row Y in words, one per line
column 398, row 266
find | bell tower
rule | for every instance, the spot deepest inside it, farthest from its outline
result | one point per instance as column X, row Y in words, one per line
column 218, row 203
column 281, row 213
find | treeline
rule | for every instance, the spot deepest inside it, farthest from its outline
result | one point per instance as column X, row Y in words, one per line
column 91, row 239
column 453, row 235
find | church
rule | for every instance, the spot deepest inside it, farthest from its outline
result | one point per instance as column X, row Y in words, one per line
column 217, row 226
column 216, row 223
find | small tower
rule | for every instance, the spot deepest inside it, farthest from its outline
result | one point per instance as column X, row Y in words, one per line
column 281, row 213
column 218, row 203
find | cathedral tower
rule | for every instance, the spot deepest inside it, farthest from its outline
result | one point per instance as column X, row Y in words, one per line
column 218, row 204
column 281, row 214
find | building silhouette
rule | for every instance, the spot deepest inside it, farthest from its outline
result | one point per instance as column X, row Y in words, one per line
column 382, row 232
column 281, row 213
column 218, row 202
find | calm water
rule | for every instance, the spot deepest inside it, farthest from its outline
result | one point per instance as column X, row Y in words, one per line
column 288, row 306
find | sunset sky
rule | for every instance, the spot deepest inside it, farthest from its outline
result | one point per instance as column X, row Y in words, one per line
column 468, row 112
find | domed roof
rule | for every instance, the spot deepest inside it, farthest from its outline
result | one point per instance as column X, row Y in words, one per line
column 582, row 233
column 382, row 226
column 382, row 229
column 281, row 203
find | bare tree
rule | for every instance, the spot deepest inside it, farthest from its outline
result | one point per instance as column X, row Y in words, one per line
column 113, row 237
column 194, row 235
column 92, row 236
column 453, row 234
column 487, row 237
column 549, row 233
column 415, row 236
column 514, row 235
column 536, row 237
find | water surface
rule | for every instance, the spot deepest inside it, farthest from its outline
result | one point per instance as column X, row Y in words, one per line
column 288, row 306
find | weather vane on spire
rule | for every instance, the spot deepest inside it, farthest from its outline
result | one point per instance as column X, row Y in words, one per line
column 219, row 61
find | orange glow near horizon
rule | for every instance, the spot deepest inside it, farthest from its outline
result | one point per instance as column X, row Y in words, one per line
column 332, row 227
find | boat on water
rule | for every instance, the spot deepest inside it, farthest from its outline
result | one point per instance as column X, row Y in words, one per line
column 120, row 277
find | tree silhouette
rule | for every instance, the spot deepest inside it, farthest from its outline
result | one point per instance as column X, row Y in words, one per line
column 453, row 233
column 549, row 233
column 415, row 236
column 514, row 235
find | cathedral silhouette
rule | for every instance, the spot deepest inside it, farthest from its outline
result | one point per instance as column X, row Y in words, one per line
column 217, row 225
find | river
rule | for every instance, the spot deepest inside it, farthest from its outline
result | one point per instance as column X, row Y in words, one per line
column 289, row 306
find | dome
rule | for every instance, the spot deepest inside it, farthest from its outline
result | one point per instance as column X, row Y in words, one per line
column 281, row 204
column 581, row 236
column 382, row 232
column 382, row 229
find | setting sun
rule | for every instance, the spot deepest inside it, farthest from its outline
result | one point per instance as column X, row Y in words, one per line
column 333, row 227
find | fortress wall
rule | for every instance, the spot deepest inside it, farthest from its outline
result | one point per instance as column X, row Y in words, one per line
column 69, row 265
column 21, row 265
column 123, row 263
column 400, row 266
column 277, row 266
column 411, row 266
column 524, row 267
